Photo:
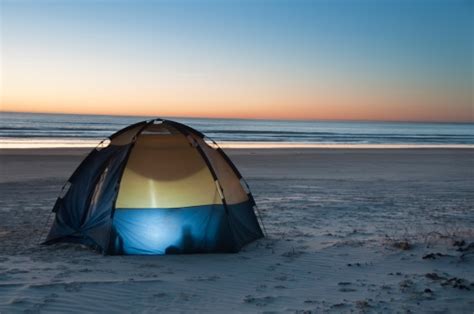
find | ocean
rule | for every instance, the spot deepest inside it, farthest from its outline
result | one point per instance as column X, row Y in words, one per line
column 27, row 130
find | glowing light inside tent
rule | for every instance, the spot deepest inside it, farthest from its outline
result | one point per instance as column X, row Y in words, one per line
column 146, row 231
column 161, row 231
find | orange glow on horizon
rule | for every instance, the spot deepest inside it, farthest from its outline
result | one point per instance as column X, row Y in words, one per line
column 352, row 111
column 259, row 99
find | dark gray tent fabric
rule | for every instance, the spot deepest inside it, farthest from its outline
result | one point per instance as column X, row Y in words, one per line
column 87, row 212
column 73, row 215
column 80, row 218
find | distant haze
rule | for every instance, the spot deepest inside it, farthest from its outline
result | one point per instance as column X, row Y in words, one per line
column 342, row 60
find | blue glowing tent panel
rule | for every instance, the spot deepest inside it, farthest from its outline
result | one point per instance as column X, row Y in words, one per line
column 165, row 231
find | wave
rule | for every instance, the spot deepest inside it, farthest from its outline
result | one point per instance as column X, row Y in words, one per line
column 71, row 129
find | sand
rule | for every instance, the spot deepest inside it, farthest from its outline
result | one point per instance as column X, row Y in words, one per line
column 360, row 230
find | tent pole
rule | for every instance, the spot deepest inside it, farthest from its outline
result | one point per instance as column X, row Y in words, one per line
column 117, row 186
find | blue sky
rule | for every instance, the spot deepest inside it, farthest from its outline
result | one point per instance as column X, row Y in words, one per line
column 400, row 60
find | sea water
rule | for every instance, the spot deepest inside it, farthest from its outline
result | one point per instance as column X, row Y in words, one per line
column 28, row 130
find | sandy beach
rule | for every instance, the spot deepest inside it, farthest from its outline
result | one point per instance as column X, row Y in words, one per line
column 349, row 230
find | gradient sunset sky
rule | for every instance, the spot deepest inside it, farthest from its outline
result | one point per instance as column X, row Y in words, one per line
column 345, row 60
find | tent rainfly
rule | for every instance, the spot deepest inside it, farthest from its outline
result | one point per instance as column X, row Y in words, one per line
column 156, row 187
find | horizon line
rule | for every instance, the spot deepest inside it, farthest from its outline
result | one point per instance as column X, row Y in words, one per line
column 240, row 118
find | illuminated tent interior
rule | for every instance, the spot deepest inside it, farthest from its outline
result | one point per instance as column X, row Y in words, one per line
column 156, row 187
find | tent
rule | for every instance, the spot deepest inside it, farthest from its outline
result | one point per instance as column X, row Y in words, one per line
column 156, row 187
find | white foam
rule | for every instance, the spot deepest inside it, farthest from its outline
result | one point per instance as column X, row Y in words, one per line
column 6, row 143
column 18, row 143
column 283, row 145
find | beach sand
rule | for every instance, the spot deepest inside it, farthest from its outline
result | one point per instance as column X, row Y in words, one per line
column 349, row 230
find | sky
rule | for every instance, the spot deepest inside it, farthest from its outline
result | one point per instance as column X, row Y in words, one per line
column 314, row 60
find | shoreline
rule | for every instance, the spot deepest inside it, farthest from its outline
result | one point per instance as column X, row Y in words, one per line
column 267, row 152
column 264, row 146
column 66, row 143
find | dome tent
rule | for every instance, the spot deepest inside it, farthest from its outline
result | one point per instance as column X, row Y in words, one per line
column 156, row 187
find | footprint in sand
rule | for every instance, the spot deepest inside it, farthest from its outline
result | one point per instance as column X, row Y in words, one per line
column 203, row 278
column 63, row 274
column 185, row 296
column 280, row 287
column 160, row 295
column 346, row 286
column 263, row 301
column 339, row 306
column 73, row 287
column 15, row 271
column 261, row 288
